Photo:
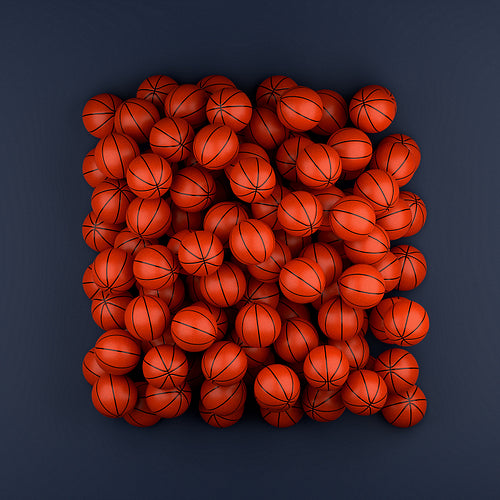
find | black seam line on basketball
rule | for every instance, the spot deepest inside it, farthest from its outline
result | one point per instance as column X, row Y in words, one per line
column 119, row 154
column 369, row 119
column 303, row 280
column 337, row 210
column 367, row 276
column 378, row 110
column 267, row 128
column 357, row 395
column 125, row 105
column 100, row 401
column 102, row 124
column 271, row 395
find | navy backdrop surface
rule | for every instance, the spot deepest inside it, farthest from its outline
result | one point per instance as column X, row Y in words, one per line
column 441, row 61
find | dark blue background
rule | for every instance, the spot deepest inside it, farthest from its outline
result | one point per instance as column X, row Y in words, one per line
column 441, row 61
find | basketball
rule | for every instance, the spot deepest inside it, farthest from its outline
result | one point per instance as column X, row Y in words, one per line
column 334, row 113
column 225, row 287
column 222, row 400
column 322, row 406
column 222, row 217
column 327, row 257
column 131, row 243
column 338, row 320
column 172, row 139
column 98, row 234
column 328, row 198
column 221, row 421
column 214, row 146
column 352, row 218
column 165, row 366
column 201, row 253
column 149, row 176
column 353, row 146
column 193, row 189
column 405, row 409
column 141, row 415
column 356, row 350
column 418, row 212
column 220, row 316
column 155, row 89
column 251, row 241
column 98, row 114
column 113, row 154
column 398, row 368
column 302, row 280
column 396, row 222
column 249, row 150
column 269, row 270
column 318, row 166
column 148, row 218
column 231, row 107
column 266, row 210
column 376, row 318
column 155, row 267
column 135, row 118
column 110, row 200
column 194, row 328
column 91, row 173
column 276, row 387
column 224, row 363
column 214, row 83
column 168, row 403
column 287, row 154
column 91, row 369
column 117, row 352
column 187, row 101
column 300, row 213
column 372, row 108
column 326, row 368
column 379, row 188
column 361, row 285
column 146, row 318
column 413, row 266
column 108, row 309
column 364, row 392
column 370, row 249
column 406, row 323
column 114, row 395
column 285, row 418
column 398, row 155
column 297, row 339
column 271, row 89
column 257, row 324
column 112, row 270
column 265, row 129
column 89, row 285
column 252, row 179
column 300, row 109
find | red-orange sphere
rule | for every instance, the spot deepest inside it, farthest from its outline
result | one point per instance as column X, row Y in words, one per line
column 413, row 266
column 108, row 309
column 327, row 257
column 390, row 269
column 110, row 200
column 165, row 366
column 276, row 387
column 334, row 113
column 251, row 241
column 193, row 189
column 418, row 212
column 98, row 114
column 300, row 213
column 265, row 129
column 406, row 323
column 326, row 368
column 405, row 409
column 135, row 117
column 396, row 222
column 361, row 285
column 215, row 83
column 222, row 217
column 172, row 139
column 224, row 363
column 187, row 101
column 112, row 270
column 194, row 328
column 155, row 89
column 91, row 369
column 146, row 318
column 364, row 392
column 113, row 153
column 269, row 270
column 141, row 415
column 318, row 166
column 117, row 352
column 271, row 89
column 149, row 176
column 302, row 280
column 398, row 368
column 369, row 249
column 98, row 234
column 257, row 324
column 322, row 406
column 225, row 287
column 201, row 253
column 266, row 210
column 287, row 154
column 297, row 339
column 114, row 395
column 91, row 173
column 379, row 188
column 300, row 109
column 148, row 218
column 356, row 350
column 353, row 146
column 252, row 179
column 285, row 418
column 215, row 145
column 168, row 403
column 352, row 218
column 231, row 107
column 340, row 321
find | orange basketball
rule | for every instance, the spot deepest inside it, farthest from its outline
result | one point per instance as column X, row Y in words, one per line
column 302, row 280
column 369, row 249
column 322, row 406
column 364, row 392
column 148, row 218
column 108, row 309
column 300, row 213
column 287, row 154
column 355, row 350
column 398, row 368
column 361, row 285
column 263, row 293
column 334, row 113
column 390, row 269
column 146, row 318
column 413, row 266
column 194, row 328
column 131, row 243
column 155, row 89
column 91, row 173
column 201, row 253
column 224, row 363
column 406, row 323
column 89, row 285
column 297, row 339
column 222, row 399
column 372, row 108
column 98, row 114
column 405, row 409
column 398, row 155
column 318, row 166
column 135, row 118
column 327, row 197
column 257, row 324
column 168, row 403
column 221, row 421
column 376, row 319
column 265, row 129
column 214, row 146
column 149, row 176
column 352, row 218
column 269, row 270
column 276, row 387
column 252, row 179
column 165, row 366
column 266, row 210
column 327, row 257
column 251, row 241
column 141, row 415
column 249, row 150
column 285, row 418
column 231, row 107
column 98, row 234
column 418, row 212
column 112, row 270
column 113, row 154
column 91, row 369
column 114, row 395
column 155, row 267
column 326, row 368
column 172, row 138
column 353, row 146
column 110, row 200
column 187, row 101
column 193, row 189
column 379, row 188
column 397, row 220
column 225, row 287
column 271, row 89
column 340, row 321
column 117, row 352
column 300, row 109
column 214, row 83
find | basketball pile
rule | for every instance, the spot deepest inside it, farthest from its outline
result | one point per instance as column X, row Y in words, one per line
column 245, row 249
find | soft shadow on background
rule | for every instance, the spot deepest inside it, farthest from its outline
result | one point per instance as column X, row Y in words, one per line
column 440, row 59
